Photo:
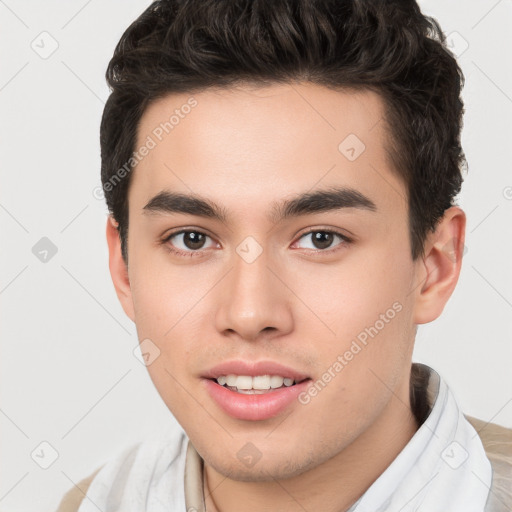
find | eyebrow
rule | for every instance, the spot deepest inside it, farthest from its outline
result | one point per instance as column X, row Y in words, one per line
column 318, row 201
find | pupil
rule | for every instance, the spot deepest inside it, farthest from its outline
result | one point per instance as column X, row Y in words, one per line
column 194, row 240
column 322, row 238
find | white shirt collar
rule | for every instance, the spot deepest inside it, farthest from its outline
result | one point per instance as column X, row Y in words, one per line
column 443, row 467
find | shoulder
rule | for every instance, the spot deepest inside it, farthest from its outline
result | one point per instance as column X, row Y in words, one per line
column 497, row 443
column 125, row 475
column 73, row 498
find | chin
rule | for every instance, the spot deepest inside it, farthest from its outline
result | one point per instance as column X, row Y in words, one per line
column 263, row 471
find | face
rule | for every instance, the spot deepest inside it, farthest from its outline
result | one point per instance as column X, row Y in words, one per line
column 322, row 292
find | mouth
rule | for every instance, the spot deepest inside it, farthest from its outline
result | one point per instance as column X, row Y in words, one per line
column 256, row 385
column 255, row 391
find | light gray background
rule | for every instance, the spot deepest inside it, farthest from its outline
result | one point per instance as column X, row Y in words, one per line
column 69, row 376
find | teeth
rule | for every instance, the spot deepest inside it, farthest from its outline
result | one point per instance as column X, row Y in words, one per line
column 259, row 382
column 231, row 380
column 276, row 381
column 243, row 382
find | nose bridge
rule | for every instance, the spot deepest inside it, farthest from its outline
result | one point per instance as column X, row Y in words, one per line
column 251, row 278
column 254, row 298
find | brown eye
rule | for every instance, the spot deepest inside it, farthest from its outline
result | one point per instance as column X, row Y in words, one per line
column 187, row 241
column 193, row 239
column 323, row 239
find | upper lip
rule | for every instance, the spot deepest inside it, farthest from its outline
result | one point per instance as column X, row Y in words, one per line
column 254, row 368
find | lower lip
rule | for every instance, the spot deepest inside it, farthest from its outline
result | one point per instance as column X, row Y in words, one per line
column 254, row 407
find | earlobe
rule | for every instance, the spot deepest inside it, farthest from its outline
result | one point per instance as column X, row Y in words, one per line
column 440, row 266
column 118, row 269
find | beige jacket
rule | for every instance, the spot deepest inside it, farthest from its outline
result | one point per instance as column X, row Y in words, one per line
column 496, row 439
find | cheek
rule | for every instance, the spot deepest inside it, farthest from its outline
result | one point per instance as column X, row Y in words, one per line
column 165, row 296
column 171, row 365
column 368, row 309
column 346, row 298
column 357, row 378
column 167, row 304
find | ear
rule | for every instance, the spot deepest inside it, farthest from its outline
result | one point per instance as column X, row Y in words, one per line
column 440, row 266
column 118, row 268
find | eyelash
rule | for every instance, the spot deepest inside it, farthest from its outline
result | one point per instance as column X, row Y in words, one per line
column 345, row 241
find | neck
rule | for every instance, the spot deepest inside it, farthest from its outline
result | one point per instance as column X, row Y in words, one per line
column 333, row 486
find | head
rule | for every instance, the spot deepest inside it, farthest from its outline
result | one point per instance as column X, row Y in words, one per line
column 255, row 127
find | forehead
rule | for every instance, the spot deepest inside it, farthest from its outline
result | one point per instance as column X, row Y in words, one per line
column 254, row 142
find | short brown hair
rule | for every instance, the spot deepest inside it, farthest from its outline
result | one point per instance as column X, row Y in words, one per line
column 390, row 47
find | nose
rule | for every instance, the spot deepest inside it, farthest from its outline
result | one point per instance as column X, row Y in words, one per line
column 254, row 302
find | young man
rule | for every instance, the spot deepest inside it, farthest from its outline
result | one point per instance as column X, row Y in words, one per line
column 281, row 179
